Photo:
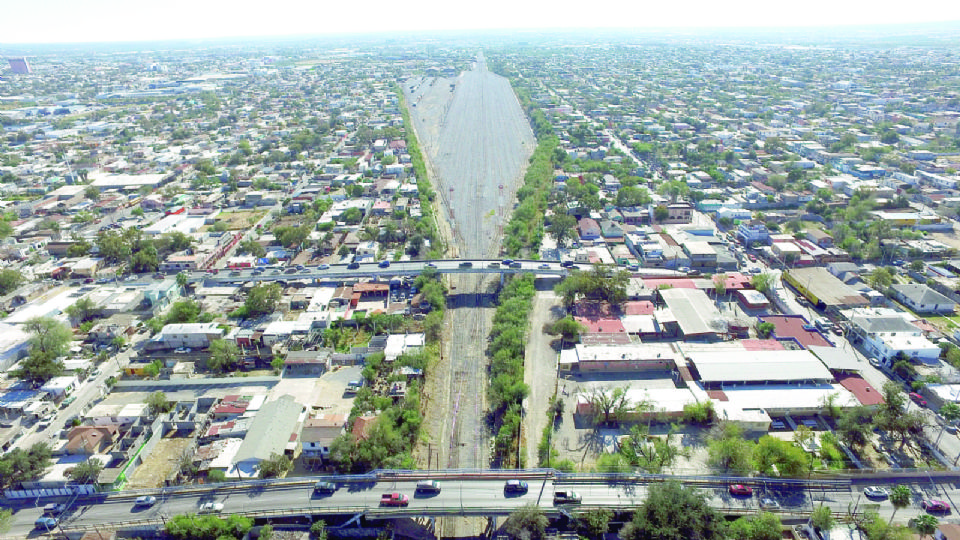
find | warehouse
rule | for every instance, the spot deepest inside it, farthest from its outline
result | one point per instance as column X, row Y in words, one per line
column 823, row 289
column 718, row 369
column 696, row 315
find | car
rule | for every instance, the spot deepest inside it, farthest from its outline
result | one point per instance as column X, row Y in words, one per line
column 756, row 270
column 515, row 486
column 466, row 264
column 53, row 509
column 211, row 507
column 935, row 506
column 384, row 264
column 182, row 350
column 353, row 266
column 235, row 273
column 301, row 267
column 46, row 523
column 428, row 486
column 566, row 497
column 431, row 265
column 769, row 503
column 394, row 499
column 566, row 264
column 740, row 489
column 67, row 402
column 43, row 424
column 752, row 257
column 544, row 266
column 874, row 362
column 515, row 264
column 918, row 399
column 493, row 265
column 145, row 500
column 633, row 267
column 323, row 267
column 876, row 492
column 290, row 271
column 693, row 272
column 324, row 487
column 507, row 262
column 683, row 269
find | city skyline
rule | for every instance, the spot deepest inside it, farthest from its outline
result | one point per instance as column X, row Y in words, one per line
column 59, row 21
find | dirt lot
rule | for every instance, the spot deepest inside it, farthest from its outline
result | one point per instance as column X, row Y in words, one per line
column 241, row 220
column 324, row 393
column 159, row 464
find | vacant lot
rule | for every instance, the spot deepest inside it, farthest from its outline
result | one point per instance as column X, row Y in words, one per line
column 161, row 463
column 240, row 220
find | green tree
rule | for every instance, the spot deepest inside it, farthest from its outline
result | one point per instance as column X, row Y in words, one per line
column 763, row 526
column 6, row 520
column 224, row 356
column 216, row 476
column 92, row 193
column 880, row 278
column 925, row 525
column 765, row 329
column 182, row 279
column 526, row 523
column 207, row 527
column 609, row 406
column 660, row 213
column 900, row 497
column 674, row 512
column 275, row 466
column 855, row 426
column 822, row 518
column 20, row 465
column 262, row 299
column 594, row 523
column 184, row 311
column 158, row 403
column 728, row 450
column 9, row 280
column 318, row 530
column 562, row 228
column 86, row 472
column 762, row 282
column 82, row 310
column 567, row 328
column 788, row 458
column 277, row 364
column 252, row 247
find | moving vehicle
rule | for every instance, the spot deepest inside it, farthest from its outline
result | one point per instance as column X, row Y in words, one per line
column 515, row 486
column 935, row 506
column 211, row 507
column 182, row 350
column 146, row 500
column 740, row 489
column 323, row 267
column 431, row 265
column 566, row 497
column 324, row 487
column 566, row 264
column 53, row 509
column 46, row 523
column 428, row 486
column 918, row 399
column 384, row 264
column 493, row 265
column 394, row 499
column 507, row 262
column 353, row 266
column 466, row 264
column 769, row 503
column 515, row 265
column 544, row 266
column 876, row 492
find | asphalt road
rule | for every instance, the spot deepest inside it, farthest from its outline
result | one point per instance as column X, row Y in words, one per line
column 471, row 496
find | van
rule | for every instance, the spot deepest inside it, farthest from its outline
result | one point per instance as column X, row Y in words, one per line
column 428, row 486
column 823, row 324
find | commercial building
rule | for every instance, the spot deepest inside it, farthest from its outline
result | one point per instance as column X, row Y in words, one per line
column 823, row 289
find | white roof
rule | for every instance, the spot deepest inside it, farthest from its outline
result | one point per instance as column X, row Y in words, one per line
column 693, row 308
column 724, row 366
column 787, row 397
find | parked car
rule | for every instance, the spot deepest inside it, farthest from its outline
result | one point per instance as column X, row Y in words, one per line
column 740, row 489
column 53, row 509
column 428, row 486
column 515, row 486
column 46, row 523
column 182, row 350
column 918, row 399
column 935, row 506
column 146, row 500
column 876, row 492
column 874, row 362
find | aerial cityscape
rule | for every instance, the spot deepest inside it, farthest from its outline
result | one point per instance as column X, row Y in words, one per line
column 542, row 284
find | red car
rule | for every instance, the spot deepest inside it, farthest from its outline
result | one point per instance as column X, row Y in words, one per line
column 935, row 506
column 740, row 489
column 918, row 399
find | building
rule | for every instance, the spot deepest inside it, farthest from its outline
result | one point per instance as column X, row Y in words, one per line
column 823, row 289
column 19, row 66
column 195, row 335
column 318, row 434
column 886, row 333
column 273, row 431
column 753, row 231
column 922, row 299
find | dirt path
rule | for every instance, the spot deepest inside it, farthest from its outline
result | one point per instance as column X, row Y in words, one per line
column 540, row 372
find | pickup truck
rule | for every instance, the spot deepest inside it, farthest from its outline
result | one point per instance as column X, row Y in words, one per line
column 566, row 497
column 394, row 499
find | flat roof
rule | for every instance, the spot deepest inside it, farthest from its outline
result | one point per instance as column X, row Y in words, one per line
column 693, row 308
column 787, row 397
column 756, row 366
column 792, row 326
column 838, row 359
column 862, row 390
column 826, row 287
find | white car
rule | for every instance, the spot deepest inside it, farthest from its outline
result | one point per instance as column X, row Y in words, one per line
column 211, row 507
column 146, row 500
column 769, row 503
column 876, row 492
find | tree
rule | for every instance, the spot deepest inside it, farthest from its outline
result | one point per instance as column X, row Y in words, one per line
column 950, row 412
column 275, row 466
column 158, row 403
column 92, row 193
column 900, row 497
column 224, row 356
column 86, row 472
column 118, row 342
column 762, row 282
column 216, row 476
column 184, row 311
column 720, row 284
column 765, row 329
column 252, row 247
column 568, row 329
column 854, row 426
column 661, row 213
column 562, row 227
column 822, row 518
column 925, row 525
column 608, row 406
column 277, row 364
column 674, row 512
column 318, row 530
column 50, row 336
column 9, row 281
column 763, row 526
column 20, row 465
column 880, row 278
column 182, row 279
column 628, row 196
column 594, row 523
column 788, row 458
column 262, row 299
column 6, row 520
column 208, row 527
column 652, row 454
column 82, row 310
column 526, row 523
column 876, row 528
column 728, row 450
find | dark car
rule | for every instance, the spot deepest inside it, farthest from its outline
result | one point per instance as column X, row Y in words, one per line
column 428, row 487
column 566, row 264
column 515, row 486
column 384, row 264
column 324, row 487
column 466, row 264
column 353, row 266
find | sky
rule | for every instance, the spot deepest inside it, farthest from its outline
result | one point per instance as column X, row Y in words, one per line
column 67, row 21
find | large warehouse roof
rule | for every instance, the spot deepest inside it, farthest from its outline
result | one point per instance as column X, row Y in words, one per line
column 825, row 287
column 759, row 366
column 693, row 309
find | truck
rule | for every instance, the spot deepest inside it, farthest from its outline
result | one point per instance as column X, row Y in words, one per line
column 394, row 499
column 566, row 497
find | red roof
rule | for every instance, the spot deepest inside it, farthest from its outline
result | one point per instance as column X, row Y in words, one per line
column 792, row 326
column 679, row 283
column 604, row 325
column 860, row 388
column 762, row 345
column 643, row 307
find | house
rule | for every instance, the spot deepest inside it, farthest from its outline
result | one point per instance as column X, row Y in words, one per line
column 589, row 229
column 196, row 335
column 886, row 333
column 753, row 231
column 923, row 299
column 679, row 212
column 318, row 434
column 820, row 237
column 91, row 439
column 274, row 430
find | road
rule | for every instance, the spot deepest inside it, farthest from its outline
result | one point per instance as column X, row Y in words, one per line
column 458, row 496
